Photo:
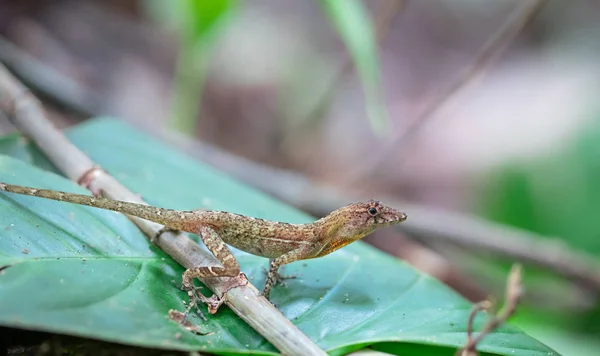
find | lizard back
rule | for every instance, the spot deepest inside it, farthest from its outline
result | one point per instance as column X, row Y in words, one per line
column 257, row 236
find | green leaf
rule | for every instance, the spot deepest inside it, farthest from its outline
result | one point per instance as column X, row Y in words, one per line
column 556, row 334
column 559, row 196
column 90, row 273
column 354, row 26
column 196, row 20
column 198, row 23
column 556, row 195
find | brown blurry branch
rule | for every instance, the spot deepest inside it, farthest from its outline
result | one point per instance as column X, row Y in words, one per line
column 514, row 292
column 26, row 113
column 47, row 82
column 488, row 54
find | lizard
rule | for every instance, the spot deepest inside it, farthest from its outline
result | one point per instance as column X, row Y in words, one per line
column 281, row 242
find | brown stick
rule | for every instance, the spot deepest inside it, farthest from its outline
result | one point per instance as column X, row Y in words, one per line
column 27, row 114
column 514, row 292
column 489, row 52
column 63, row 91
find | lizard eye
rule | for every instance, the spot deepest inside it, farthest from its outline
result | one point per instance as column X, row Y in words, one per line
column 373, row 211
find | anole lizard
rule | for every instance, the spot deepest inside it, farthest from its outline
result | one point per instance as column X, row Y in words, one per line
column 281, row 242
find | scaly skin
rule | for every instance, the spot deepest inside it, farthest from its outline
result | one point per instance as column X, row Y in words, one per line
column 283, row 243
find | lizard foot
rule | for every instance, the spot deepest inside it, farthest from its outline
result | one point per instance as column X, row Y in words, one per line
column 182, row 287
column 181, row 319
column 279, row 278
column 194, row 297
column 213, row 303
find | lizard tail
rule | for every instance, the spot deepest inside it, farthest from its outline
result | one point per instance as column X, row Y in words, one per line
column 170, row 218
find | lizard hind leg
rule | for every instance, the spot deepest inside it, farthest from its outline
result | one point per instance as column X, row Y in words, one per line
column 231, row 268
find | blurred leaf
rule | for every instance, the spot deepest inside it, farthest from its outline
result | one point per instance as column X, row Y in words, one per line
column 564, row 341
column 91, row 273
column 556, row 196
column 354, row 26
column 197, row 22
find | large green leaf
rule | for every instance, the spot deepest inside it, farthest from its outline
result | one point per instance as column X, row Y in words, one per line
column 83, row 271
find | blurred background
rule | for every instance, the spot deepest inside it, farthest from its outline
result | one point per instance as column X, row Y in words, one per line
column 477, row 112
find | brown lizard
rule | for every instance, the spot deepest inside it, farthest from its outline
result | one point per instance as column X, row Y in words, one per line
column 281, row 242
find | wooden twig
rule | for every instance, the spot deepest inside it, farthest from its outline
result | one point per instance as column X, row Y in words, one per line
column 489, row 52
column 514, row 292
column 27, row 115
column 64, row 92
column 481, row 306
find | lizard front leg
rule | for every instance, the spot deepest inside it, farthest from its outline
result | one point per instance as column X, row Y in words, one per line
column 230, row 268
column 274, row 265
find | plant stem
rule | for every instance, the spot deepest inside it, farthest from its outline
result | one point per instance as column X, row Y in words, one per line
column 188, row 82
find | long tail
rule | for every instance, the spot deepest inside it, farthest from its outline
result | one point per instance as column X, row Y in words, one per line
column 173, row 219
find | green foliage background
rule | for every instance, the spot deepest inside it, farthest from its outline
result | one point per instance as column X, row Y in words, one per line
column 557, row 196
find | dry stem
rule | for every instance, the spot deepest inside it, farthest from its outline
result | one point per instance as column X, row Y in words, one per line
column 27, row 114
column 489, row 52
column 63, row 91
column 514, row 292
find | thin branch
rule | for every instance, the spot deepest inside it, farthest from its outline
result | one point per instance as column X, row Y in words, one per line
column 64, row 92
column 481, row 306
column 578, row 296
column 27, row 114
column 514, row 293
column 489, row 52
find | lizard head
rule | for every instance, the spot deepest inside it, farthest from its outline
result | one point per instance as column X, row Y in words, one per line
column 355, row 221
